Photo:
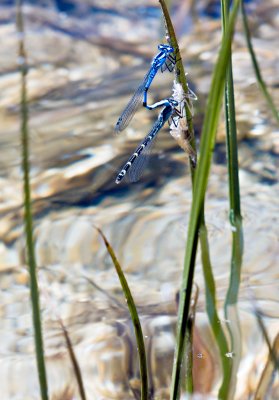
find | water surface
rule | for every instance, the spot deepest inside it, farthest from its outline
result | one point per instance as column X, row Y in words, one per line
column 86, row 59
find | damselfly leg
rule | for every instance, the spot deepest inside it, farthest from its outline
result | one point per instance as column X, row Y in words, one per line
column 169, row 63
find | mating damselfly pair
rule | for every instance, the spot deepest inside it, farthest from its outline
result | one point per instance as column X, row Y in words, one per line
column 134, row 167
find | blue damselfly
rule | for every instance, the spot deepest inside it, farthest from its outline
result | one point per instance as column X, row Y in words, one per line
column 134, row 166
column 164, row 60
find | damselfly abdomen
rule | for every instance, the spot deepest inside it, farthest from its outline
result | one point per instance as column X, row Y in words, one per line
column 135, row 164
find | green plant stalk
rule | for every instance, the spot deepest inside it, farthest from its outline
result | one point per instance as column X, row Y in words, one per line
column 232, row 150
column 272, row 353
column 233, row 172
column 134, row 316
column 207, row 268
column 189, row 340
column 180, row 73
column 113, row 299
column 257, row 70
column 182, row 79
column 189, row 337
column 235, row 214
column 215, row 322
column 200, row 184
column 34, row 292
column 234, row 192
column 74, row 360
column 269, row 373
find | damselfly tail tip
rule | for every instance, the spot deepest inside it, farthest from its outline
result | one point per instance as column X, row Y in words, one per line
column 119, row 178
column 193, row 159
column 118, row 128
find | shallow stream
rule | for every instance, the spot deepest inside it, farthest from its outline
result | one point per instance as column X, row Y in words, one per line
column 86, row 58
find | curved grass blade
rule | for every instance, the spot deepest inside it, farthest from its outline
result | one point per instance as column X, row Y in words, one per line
column 258, row 74
column 181, row 79
column 207, row 268
column 73, row 359
column 210, row 294
column 272, row 363
column 268, row 374
column 272, row 354
column 34, row 290
column 113, row 299
column 234, row 191
column 200, row 183
column 134, row 316
column 231, row 312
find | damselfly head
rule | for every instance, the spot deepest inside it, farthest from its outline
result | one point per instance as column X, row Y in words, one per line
column 173, row 102
column 166, row 48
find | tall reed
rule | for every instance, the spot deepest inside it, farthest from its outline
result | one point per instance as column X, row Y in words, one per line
column 206, row 263
column 200, row 183
column 28, row 221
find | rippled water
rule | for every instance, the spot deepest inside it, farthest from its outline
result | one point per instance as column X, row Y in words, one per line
column 86, row 58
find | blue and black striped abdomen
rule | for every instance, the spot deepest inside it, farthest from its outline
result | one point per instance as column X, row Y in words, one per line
column 134, row 165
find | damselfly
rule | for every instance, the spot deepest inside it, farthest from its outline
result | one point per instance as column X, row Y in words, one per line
column 134, row 166
column 179, row 129
column 164, row 60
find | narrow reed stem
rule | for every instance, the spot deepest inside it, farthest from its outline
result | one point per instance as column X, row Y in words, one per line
column 200, row 184
column 179, row 72
column 256, row 66
column 74, row 360
column 34, row 291
column 134, row 316
column 235, row 214
column 207, row 267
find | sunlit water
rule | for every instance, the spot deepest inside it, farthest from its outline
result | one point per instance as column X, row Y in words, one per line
column 85, row 61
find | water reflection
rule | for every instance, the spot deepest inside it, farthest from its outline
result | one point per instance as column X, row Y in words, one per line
column 85, row 60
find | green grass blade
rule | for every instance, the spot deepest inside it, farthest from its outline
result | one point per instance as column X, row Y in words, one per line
column 215, row 323
column 182, row 79
column 257, row 70
column 231, row 312
column 73, row 359
column 190, row 341
column 112, row 299
column 272, row 353
column 207, row 268
column 232, row 150
column 180, row 74
column 34, row 291
column 200, row 184
column 269, row 373
column 134, row 316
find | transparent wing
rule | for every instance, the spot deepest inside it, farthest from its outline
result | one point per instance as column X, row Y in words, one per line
column 132, row 107
column 137, row 161
column 141, row 162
